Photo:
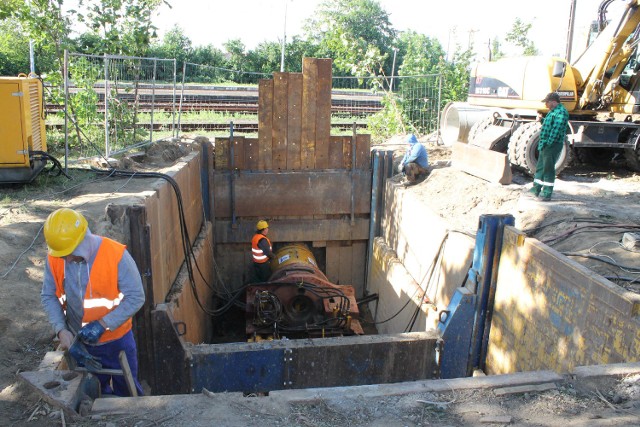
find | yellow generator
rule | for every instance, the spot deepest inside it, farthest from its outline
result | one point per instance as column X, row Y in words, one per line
column 23, row 143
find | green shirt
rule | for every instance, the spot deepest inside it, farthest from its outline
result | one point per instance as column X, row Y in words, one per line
column 554, row 127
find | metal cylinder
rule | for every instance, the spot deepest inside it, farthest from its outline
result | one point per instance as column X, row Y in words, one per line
column 457, row 119
column 292, row 254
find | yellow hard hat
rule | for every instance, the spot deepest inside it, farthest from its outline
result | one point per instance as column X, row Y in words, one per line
column 261, row 225
column 64, row 229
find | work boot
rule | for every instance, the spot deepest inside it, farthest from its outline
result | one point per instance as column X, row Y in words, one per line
column 544, row 197
column 535, row 191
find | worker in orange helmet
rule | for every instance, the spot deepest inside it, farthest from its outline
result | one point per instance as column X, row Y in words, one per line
column 261, row 251
column 91, row 289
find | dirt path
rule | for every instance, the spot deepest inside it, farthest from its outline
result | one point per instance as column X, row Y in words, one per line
column 583, row 198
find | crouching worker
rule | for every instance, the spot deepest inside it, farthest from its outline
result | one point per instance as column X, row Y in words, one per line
column 91, row 289
column 415, row 162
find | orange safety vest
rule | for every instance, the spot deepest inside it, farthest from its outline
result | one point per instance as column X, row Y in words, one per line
column 258, row 255
column 102, row 295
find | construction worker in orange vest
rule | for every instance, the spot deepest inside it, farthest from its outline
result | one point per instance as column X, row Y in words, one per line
column 91, row 289
column 262, row 251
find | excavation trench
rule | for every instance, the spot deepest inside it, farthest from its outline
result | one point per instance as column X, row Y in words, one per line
column 538, row 299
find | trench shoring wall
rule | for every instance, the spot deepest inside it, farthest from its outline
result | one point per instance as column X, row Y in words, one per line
column 552, row 313
column 155, row 240
column 419, row 258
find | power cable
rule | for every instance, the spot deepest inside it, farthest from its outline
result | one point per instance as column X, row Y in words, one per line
column 186, row 244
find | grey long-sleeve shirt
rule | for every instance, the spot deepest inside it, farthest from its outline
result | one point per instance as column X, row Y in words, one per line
column 76, row 277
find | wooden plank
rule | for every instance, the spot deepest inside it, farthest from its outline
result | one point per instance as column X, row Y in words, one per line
column 336, row 155
column 222, row 153
column 307, row 230
column 126, row 373
column 347, row 152
column 302, row 193
column 527, row 388
column 294, row 121
column 323, row 113
column 265, row 123
column 489, row 165
column 279, row 131
column 363, row 152
column 238, row 152
column 346, row 259
column 333, row 261
column 308, row 119
column 251, row 154
column 358, row 267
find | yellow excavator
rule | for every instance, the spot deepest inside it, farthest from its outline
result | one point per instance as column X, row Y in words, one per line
column 601, row 91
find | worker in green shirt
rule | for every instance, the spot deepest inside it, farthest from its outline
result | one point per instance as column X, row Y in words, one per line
column 552, row 137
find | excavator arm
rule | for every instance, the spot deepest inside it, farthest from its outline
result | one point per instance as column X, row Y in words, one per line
column 601, row 65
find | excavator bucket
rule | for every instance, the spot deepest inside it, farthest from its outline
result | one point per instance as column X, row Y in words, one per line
column 489, row 165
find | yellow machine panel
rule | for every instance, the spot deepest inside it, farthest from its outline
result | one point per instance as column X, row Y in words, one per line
column 22, row 128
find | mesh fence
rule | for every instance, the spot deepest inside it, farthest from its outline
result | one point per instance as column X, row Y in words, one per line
column 117, row 103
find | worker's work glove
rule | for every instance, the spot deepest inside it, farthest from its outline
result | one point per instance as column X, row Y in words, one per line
column 91, row 332
column 400, row 167
column 79, row 352
column 66, row 338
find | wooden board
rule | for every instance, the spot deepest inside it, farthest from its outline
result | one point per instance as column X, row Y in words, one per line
column 297, row 230
column 323, row 113
column 251, row 154
column 308, row 119
column 265, row 123
column 300, row 193
column 294, row 121
column 222, row 153
column 279, row 132
column 238, row 152
column 363, row 152
column 489, row 165
column 336, row 152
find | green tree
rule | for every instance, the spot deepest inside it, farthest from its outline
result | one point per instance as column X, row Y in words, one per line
column 496, row 51
column 519, row 36
column 43, row 22
column 352, row 32
column 14, row 48
column 124, row 26
column 418, row 54
column 175, row 45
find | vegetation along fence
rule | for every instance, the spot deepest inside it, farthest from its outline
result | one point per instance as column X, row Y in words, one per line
column 117, row 103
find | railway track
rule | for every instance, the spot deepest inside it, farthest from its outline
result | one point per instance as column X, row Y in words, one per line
column 219, row 99
column 238, row 126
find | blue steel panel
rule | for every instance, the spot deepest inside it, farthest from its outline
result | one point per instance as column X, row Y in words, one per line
column 456, row 328
column 245, row 371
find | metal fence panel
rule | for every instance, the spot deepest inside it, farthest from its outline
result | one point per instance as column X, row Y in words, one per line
column 117, row 103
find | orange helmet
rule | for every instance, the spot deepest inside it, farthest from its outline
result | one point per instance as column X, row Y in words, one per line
column 64, row 229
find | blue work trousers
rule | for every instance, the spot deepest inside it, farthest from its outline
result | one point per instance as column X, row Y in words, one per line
column 108, row 354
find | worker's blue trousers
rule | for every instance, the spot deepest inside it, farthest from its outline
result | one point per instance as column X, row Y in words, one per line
column 108, row 354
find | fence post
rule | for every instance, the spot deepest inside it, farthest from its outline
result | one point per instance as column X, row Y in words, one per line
column 184, row 73
column 65, row 70
column 107, row 150
column 174, row 133
column 439, row 106
column 153, row 97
